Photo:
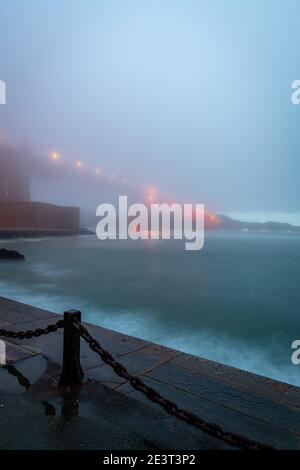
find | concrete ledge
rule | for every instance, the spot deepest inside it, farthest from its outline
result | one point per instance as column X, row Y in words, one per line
column 257, row 407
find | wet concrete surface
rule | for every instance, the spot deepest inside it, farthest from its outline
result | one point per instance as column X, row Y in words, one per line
column 36, row 414
column 19, row 377
column 106, row 413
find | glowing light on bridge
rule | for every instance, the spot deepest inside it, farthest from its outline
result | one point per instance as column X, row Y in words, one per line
column 152, row 190
column 55, row 155
column 152, row 193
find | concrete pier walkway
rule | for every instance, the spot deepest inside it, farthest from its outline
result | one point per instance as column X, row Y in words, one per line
column 106, row 413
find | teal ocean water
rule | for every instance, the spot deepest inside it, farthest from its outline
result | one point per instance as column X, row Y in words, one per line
column 236, row 301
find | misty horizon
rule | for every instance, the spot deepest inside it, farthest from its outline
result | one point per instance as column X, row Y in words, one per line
column 150, row 230
column 183, row 106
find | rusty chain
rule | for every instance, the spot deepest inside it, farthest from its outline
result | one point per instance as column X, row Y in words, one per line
column 169, row 406
column 28, row 334
column 153, row 395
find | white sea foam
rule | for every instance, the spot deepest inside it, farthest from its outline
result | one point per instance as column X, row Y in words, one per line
column 63, row 275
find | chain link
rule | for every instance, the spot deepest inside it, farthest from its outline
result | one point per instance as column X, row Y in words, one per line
column 169, row 406
column 153, row 395
column 28, row 334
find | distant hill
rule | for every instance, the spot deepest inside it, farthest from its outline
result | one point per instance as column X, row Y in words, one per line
column 223, row 222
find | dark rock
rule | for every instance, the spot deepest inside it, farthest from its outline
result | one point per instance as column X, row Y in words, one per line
column 10, row 254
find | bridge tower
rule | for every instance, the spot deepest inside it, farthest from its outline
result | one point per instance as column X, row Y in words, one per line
column 14, row 174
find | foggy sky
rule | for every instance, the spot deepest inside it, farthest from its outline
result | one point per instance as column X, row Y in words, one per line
column 190, row 96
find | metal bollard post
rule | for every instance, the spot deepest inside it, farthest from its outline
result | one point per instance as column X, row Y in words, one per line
column 72, row 373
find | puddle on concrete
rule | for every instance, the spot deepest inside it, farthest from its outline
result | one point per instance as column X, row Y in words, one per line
column 18, row 378
column 22, row 380
column 49, row 409
column 65, row 404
